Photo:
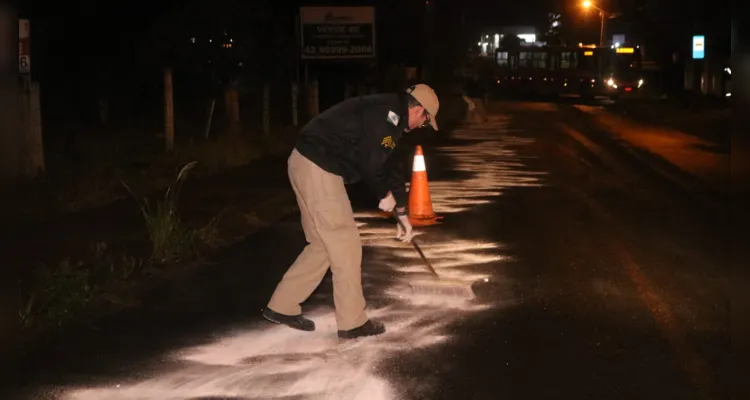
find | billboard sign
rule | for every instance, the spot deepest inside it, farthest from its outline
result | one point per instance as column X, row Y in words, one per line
column 699, row 47
column 337, row 32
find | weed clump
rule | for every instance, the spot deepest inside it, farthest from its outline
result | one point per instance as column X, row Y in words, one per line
column 60, row 293
column 171, row 240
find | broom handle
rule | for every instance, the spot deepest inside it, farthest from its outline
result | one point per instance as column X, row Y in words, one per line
column 416, row 247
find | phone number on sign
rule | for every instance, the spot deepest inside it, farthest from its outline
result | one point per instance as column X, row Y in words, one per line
column 343, row 50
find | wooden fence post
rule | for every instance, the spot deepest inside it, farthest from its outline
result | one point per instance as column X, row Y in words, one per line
column 168, row 110
column 35, row 143
column 295, row 104
column 267, row 110
column 312, row 100
column 232, row 103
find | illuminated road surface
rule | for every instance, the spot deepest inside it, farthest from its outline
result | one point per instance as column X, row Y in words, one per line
column 587, row 286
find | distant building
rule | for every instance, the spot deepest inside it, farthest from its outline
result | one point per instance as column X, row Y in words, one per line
column 491, row 36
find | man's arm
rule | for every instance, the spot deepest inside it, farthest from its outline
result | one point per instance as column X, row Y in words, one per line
column 395, row 177
column 374, row 149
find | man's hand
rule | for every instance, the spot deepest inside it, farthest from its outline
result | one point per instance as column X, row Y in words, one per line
column 387, row 203
column 404, row 230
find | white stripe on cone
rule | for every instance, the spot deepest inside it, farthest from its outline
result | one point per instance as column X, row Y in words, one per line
column 419, row 164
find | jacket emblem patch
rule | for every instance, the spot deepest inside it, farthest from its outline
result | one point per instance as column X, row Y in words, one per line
column 388, row 142
column 393, row 118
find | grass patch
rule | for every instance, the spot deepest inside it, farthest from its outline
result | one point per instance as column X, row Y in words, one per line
column 56, row 295
column 171, row 241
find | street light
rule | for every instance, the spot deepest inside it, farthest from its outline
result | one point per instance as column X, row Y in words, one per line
column 587, row 4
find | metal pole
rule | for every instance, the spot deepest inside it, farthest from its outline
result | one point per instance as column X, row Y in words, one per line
column 601, row 30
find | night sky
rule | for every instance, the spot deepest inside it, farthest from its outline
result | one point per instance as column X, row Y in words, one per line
column 76, row 44
column 96, row 28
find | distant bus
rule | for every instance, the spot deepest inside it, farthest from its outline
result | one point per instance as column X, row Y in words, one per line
column 586, row 71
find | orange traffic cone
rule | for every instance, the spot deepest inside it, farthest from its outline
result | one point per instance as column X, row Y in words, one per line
column 420, row 203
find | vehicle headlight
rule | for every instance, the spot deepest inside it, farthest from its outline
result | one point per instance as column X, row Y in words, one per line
column 640, row 82
column 611, row 82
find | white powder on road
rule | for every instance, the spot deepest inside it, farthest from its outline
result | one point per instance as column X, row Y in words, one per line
column 273, row 361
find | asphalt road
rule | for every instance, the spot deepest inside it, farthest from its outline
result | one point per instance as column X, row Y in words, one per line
column 596, row 277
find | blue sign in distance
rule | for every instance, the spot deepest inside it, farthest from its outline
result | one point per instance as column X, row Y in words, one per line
column 699, row 47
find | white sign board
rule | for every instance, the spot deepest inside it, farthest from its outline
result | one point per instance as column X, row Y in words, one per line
column 699, row 47
column 337, row 32
column 24, row 46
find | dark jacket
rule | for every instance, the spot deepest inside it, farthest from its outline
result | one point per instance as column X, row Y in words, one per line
column 354, row 139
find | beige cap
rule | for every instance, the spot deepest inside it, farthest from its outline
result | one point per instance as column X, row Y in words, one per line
column 428, row 99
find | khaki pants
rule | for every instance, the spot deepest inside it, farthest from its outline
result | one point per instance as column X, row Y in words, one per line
column 333, row 240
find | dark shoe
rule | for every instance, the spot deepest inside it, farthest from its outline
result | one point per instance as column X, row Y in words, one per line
column 370, row 328
column 292, row 321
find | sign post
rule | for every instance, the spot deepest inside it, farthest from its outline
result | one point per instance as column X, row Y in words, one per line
column 334, row 34
column 699, row 53
column 24, row 46
column 33, row 149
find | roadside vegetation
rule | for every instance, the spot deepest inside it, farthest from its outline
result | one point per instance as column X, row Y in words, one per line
column 59, row 293
column 109, row 277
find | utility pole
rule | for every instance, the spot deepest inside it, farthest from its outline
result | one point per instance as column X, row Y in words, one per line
column 588, row 4
column 11, row 122
column 10, row 149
